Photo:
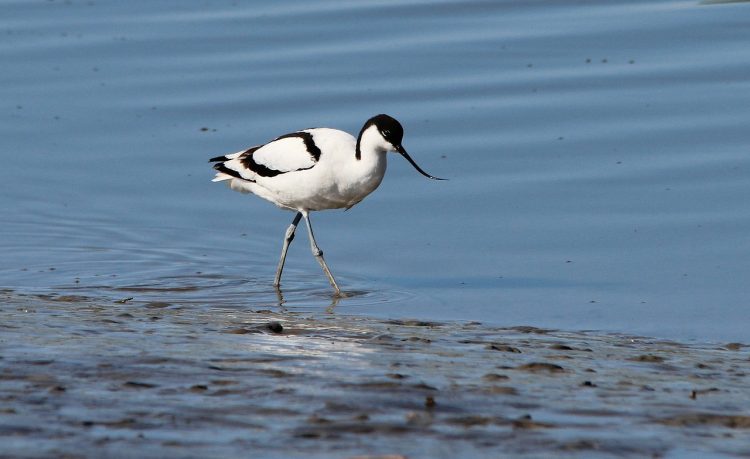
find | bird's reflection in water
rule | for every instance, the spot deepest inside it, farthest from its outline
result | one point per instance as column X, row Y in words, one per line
column 331, row 308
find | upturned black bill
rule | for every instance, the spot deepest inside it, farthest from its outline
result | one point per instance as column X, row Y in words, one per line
column 403, row 152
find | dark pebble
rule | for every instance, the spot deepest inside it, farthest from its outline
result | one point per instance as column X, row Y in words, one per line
column 561, row 347
column 503, row 348
column 417, row 339
column 414, row 323
column 138, row 385
column 494, row 377
column 528, row 329
column 541, row 366
column 648, row 358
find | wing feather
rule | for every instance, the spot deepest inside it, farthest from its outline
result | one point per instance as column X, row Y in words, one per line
column 288, row 153
column 285, row 154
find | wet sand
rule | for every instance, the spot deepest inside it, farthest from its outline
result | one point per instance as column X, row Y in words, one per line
column 97, row 377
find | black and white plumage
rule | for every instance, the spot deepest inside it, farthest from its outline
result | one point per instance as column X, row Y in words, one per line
column 315, row 169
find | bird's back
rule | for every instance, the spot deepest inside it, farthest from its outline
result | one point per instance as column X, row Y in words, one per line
column 312, row 169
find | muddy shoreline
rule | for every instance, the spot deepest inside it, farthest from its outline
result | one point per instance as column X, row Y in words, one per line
column 96, row 378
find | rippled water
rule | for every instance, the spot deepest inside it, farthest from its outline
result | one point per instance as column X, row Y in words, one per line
column 599, row 172
column 597, row 154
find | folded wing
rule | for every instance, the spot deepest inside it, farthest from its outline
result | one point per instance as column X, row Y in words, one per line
column 288, row 153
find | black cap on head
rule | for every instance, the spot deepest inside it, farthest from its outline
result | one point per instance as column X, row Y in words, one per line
column 389, row 128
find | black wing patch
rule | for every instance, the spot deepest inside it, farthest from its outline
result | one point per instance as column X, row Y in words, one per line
column 239, row 166
column 248, row 161
column 309, row 143
column 222, row 168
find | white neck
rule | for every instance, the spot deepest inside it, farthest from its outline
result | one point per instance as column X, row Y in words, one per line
column 372, row 142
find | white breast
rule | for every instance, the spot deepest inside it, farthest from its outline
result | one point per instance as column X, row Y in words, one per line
column 297, row 182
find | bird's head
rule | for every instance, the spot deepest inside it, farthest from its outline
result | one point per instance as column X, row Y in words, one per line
column 385, row 133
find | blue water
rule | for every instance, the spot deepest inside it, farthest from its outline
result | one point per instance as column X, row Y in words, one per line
column 597, row 154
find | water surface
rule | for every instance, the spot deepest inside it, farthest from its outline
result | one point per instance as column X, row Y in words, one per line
column 597, row 156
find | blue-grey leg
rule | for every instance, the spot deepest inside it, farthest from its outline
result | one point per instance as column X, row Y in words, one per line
column 288, row 238
column 318, row 254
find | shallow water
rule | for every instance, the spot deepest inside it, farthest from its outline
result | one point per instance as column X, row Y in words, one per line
column 597, row 154
column 599, row 174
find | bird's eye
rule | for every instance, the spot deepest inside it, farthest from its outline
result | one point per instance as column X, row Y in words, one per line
column 386, row 133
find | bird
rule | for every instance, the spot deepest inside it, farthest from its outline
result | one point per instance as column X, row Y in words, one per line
column 315, row 169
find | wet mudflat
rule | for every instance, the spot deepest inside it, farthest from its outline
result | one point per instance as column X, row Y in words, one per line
column 92, row 377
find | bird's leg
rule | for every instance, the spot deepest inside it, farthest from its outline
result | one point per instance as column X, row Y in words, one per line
column 288, row 238
column 318, row 254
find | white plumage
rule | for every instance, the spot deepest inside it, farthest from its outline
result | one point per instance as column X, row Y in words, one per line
column 315, row 169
